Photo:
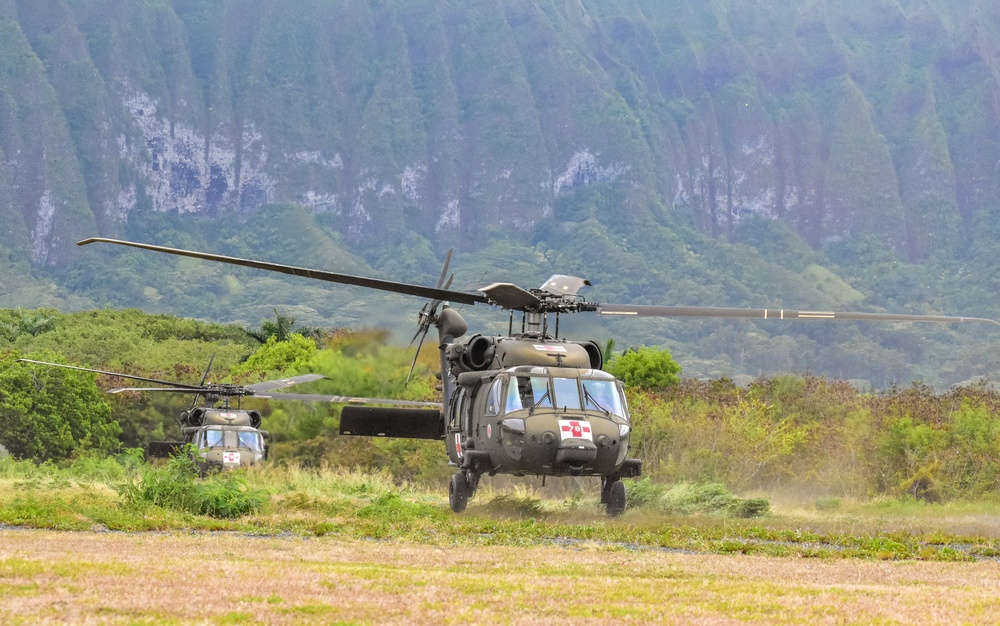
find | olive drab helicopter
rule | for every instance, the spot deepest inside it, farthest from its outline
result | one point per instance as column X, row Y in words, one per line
column 528, row 403
column 226, row 436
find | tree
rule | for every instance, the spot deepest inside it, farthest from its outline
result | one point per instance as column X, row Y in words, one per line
column 49, row 413
column 26, row 324
column 646, row 368
column 281, row 329
column 291, row 355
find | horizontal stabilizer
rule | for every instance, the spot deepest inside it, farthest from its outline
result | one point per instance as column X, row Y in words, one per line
column 365, row 421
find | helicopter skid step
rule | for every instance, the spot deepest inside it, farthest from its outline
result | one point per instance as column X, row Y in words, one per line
column 476, row 460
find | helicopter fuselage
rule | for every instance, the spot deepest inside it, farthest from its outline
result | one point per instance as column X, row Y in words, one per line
column 221, row 438
column 538, row 420
column 228, row 447
column 226, row 438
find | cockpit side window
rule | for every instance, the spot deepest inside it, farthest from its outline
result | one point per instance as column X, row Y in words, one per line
column 495, row 397
column 603, row 395
column 457, row 406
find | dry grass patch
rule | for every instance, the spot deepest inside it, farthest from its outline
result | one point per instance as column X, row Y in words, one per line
column 237, row 579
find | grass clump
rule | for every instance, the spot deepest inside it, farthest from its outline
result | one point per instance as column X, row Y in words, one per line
column 692, row 498
column 176, row 486
column 391, row 506
column 522, row 503
column 827, row 503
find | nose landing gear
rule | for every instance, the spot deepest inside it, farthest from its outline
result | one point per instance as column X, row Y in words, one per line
column 461, row 487
column 613, row 495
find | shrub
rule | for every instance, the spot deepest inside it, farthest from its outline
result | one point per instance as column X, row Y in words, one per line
column 646, row 368
column 176, row 486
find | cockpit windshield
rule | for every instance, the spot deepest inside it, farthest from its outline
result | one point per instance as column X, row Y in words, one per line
column 567, row 393
column 526, row 392
column 217, row 437
column 596, row 394
column 252, row 440
column 213, row 438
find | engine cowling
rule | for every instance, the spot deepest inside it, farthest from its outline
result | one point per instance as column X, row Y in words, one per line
column 194, row 417
column 484, row 352
column 479, row 352
column 595, row 353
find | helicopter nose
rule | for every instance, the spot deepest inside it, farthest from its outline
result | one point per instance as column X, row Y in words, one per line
column 576, row 451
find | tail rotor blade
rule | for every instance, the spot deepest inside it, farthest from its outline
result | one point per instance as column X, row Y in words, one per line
column 423, row 334
column 444, row 270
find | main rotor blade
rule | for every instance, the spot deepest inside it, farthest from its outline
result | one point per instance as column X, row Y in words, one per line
column 204, row 377
column 270, row 385
column 141, row 378
column 168, row 389
column 509, row 296
column 315, row 397
column 774, row 314
column 207, row 369
column 464, row 297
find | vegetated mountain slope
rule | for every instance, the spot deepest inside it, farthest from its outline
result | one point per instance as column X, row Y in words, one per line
column 630, row 141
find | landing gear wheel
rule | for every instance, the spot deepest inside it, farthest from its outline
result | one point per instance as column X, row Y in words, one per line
column 614, row 498
column 458, row 492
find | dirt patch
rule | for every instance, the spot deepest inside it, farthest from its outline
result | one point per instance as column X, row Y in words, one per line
column 48, row 576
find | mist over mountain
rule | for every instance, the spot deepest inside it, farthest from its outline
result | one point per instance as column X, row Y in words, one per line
column 821, row 154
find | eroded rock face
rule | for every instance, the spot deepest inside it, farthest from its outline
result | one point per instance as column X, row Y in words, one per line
column 183, row 170
column 399, row 119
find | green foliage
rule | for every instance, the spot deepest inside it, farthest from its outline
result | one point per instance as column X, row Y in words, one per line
column 281, row 329
column 134, row 342
column 363, row 365
column 26, row 323
column 821, row 436
column 349, row 506
column 175, row 485
column 110, row 339
column 291, row 355
column 646, row 368
column 52, row 413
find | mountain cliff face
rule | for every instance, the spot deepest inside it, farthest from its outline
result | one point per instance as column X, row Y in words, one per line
column 731, row 152
column 840, row 118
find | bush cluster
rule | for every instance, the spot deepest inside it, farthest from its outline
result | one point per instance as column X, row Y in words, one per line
column 175, row 485
column 821, row 436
